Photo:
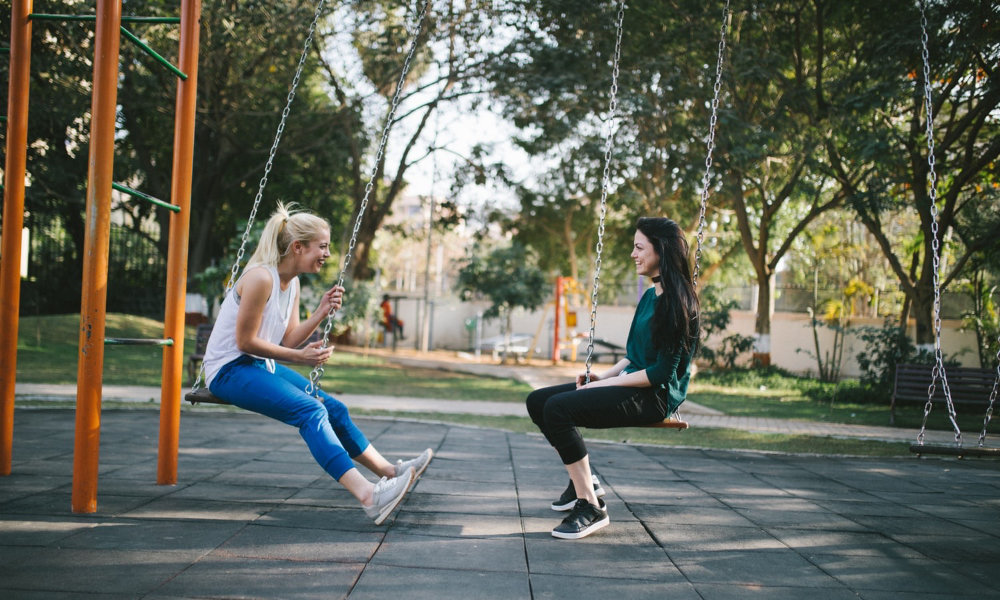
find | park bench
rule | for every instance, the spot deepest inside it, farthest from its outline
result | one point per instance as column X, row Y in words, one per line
column 968, row 385
column 603, row 348
column 201, row 336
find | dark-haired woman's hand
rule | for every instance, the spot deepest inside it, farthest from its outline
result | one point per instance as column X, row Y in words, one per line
column 581, row 379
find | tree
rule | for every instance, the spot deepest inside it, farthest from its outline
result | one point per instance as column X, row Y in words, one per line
column 879, row 156
column 509, row 278
column 451, row 57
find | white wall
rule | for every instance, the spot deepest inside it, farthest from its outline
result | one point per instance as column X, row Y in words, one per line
column 790, row 332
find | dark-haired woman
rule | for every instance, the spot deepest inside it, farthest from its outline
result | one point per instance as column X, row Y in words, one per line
column 645, row 387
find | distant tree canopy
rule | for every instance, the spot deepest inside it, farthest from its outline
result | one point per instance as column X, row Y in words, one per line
column 821, row 118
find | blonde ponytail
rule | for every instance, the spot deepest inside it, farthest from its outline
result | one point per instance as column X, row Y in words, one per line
column 286, row 226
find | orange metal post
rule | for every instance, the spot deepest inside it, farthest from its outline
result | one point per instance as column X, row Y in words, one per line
column 555, row 330
column 13, row 219
column 177, row 256
column 94, row 297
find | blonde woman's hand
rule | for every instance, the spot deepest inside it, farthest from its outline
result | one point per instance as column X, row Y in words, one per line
column 331, row 300
column 314, row 354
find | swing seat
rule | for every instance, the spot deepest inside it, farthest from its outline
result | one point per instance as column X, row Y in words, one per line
column 202, row 395
column 980, row 451
column 670, row 423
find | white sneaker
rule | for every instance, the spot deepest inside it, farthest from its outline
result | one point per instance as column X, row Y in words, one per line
column 419, row 464
column 388, row 494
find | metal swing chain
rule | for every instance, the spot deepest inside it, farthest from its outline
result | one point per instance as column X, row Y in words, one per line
column 993, row 399
column 938, row 370
column 605, row 182
column 711, row 146
column 235, row 270
column 317, row 372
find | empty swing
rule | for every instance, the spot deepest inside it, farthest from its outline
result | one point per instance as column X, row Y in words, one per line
column 199, row 394
column 938, row 370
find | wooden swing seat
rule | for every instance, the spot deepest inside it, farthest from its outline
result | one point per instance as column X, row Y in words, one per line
column 202, row 395
column 670, row 423
column 980, row 451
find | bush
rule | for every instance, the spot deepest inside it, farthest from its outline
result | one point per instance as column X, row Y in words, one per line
column 715, row 319
column 886, row 347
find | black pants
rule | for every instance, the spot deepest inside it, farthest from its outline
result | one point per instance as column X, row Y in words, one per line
column 560, row 409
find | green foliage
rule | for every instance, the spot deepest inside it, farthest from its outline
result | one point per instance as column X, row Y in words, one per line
column 983, row 319
column 715, row 318
column 886, row 347
column 506, row 276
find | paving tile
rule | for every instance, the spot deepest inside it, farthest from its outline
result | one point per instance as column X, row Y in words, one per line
column 461, row 503
column 714, row 591
column 450, row 524
column 242, row 491
column 501, row 489
column 468, row 554
column 690, row 515
column 187, row 509
column 578, row 587
column 766, row 568
column 300, row 544
column 87, row 570
column 379, row 582
column 811, row 542
column 221, row 577
column 622, row 550
column 712, row 538
column 32, row 530
column 799, row 519
column 253, row 516
column 128, row 534
column 293, row 515
column 901, row 575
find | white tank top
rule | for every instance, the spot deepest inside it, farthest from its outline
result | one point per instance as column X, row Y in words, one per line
column 222, row 349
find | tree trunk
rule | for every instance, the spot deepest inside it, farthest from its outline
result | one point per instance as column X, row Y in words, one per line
column 762, row 325
column 922, row 309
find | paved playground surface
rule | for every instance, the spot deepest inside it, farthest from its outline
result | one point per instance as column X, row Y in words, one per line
column 253, row 517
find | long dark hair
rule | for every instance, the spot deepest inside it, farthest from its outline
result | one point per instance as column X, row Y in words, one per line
column 675, row 321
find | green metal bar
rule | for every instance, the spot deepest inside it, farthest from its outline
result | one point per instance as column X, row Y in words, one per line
column 137, row 342
column 146, row 197
column 50, row 17
column 131, row 37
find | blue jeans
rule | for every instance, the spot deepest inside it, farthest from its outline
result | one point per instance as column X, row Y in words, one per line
column 322, row 422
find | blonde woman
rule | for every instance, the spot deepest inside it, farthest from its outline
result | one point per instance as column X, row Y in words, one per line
column 258, row 324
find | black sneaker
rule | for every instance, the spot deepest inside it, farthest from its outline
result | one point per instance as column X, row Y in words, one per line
column 568, row 498
column 584, row 520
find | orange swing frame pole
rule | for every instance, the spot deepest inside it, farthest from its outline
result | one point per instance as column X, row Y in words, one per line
column 93, row 303
column 13, row 219
column 177, row 255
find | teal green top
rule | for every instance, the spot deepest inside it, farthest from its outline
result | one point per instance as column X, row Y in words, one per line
column 670, row 371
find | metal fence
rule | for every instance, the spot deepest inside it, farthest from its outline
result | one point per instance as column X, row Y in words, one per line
column 136, row 270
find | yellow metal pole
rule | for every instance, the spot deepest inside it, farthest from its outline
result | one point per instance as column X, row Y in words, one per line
column 13, row 219
column 177, row 255
column 89, row 375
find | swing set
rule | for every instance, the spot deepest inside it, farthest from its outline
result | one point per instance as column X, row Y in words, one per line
column 938, row 370
column 108, row 20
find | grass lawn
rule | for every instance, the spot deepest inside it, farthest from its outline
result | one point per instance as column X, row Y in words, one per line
column 47, row 353
column 723, row 439
column 778, row 396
